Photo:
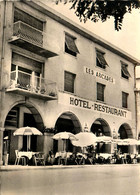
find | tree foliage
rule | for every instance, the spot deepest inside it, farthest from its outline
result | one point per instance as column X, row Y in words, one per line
column 96, row 10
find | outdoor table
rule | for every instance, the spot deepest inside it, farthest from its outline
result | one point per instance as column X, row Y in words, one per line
column 27, row 154
column 105, row 155
column 63, row 156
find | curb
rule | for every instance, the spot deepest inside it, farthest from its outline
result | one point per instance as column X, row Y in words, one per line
column 22, row 168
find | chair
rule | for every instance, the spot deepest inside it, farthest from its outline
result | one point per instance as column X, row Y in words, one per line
column 18, row 158
column 39, row 158
column 80, row 159
column 62, row 158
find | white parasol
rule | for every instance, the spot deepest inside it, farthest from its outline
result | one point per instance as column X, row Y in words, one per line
column 84, row 139
column 27, row 131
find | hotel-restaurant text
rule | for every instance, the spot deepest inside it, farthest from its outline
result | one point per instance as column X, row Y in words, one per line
column 97, row 107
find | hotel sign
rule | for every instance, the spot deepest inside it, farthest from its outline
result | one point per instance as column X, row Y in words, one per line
column 93, row 106
column 98, row 74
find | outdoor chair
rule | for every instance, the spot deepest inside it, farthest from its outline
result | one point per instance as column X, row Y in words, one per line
column 80, row 158
column 19, row 159
column 91, row 157
column 62, row 158
column 39, row 158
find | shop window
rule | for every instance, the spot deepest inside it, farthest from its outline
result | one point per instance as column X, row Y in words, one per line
column 124, row 71
column 124, row 100
column 69, row 79
column 100, row 91
column 100, row 60
column 70, row 46
column 20, row 15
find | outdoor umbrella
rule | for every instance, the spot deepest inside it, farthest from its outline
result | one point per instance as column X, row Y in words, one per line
column 27, row 131
column 105, row 139
column 84, row 139
column 122, row 142
column 131, row 141
column 64, row 136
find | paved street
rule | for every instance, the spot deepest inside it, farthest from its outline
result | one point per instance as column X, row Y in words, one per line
column 96, row 179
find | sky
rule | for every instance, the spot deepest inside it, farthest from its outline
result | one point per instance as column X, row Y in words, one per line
column 128, row 38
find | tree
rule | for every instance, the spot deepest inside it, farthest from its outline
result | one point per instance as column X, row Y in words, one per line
column 96, row 10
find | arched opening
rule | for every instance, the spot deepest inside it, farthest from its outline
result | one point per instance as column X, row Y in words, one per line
column 101, row 128
column 21, row 115
column 125, row 132
column 66, row 122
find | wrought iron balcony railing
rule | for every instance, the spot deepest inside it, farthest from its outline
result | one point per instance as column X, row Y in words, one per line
column 33, row 84
column 28, row 33
column 33, row 40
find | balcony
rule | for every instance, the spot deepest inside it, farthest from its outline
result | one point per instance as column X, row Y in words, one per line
column 31, row 39
column 30, row 85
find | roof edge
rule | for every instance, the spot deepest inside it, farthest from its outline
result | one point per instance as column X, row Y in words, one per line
column 80, row 30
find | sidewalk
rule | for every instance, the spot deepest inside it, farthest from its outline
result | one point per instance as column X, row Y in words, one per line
column 20, row 167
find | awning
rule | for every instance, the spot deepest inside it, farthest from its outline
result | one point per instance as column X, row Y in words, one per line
column 101, row 59
column 70, row 42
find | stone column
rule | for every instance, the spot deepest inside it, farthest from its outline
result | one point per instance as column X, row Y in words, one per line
column 1, row 145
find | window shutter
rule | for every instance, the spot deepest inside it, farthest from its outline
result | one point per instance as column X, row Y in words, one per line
column 124, row 99
column 70, row 42
column 100, row 92
column 27, row 63
column 101, row 59
column 124, row 70
column 69, row 82
column 19, row 15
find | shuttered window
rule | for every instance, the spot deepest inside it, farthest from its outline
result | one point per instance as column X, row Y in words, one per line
column 20, row 15
column 69, row 79
column 100, row 91
column 70, row 46
column 100, row 60
column 124, row 71
column 124, row 100
column 26, row 63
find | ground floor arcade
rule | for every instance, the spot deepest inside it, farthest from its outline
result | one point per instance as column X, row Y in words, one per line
column 25, row 114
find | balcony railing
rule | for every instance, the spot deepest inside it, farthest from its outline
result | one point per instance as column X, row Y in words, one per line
column 28, row 33
column 34, row 40
column 32, row 84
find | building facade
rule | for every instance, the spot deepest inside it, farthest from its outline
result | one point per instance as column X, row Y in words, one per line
column 57, row 76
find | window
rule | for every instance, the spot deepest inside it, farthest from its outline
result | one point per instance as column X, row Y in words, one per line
column 28, row 70
column 124, row 100
column 100, row 91
column 100, row 60
column 19, row 15
column 70, row 46
column 69, row 79
column 124, row 71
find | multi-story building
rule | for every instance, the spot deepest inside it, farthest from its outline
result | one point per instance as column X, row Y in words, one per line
column 57, row 76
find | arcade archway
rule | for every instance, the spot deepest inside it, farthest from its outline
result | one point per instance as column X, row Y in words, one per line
column 20, row 115
column 125, row 132
column 66, row 122
column 101, row 128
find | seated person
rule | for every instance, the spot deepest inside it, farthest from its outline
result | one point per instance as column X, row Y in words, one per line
column 51, row 157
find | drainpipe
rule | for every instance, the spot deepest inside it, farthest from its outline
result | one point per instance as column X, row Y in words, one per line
column 136, row 95
column 1, row 73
